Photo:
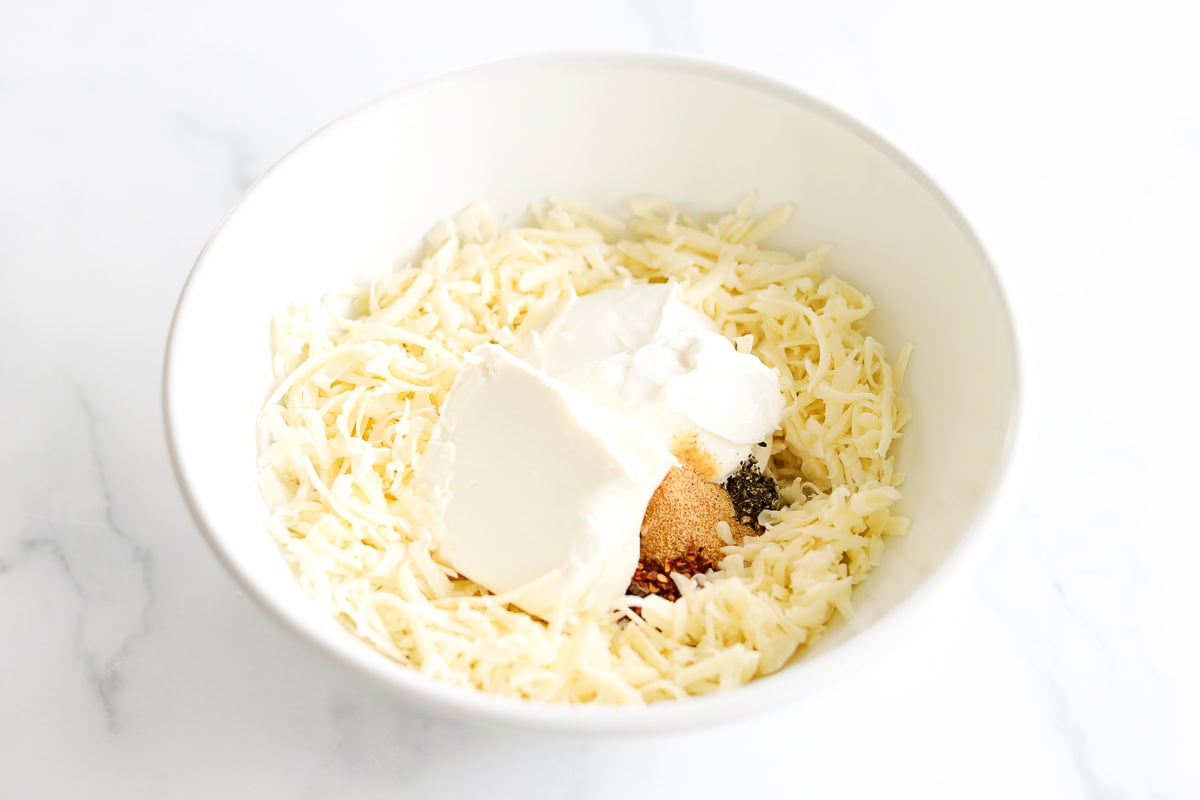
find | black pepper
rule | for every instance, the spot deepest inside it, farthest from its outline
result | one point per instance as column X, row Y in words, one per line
column 752, row 491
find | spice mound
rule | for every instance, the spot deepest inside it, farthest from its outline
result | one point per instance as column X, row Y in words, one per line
column 654, row 577
column 689, row 519
column 686, row 515
column 752, row 491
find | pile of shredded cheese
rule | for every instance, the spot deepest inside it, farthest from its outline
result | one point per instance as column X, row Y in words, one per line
column 363, row 374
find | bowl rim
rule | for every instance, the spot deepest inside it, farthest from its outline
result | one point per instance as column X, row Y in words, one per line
column 822, row 669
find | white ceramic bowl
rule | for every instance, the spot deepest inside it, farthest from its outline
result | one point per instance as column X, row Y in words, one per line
column 357, row 196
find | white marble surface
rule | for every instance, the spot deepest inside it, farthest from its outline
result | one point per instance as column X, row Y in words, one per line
column 1063, row 666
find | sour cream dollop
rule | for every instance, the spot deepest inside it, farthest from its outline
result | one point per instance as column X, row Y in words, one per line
column 544, row 459
column 644, row 353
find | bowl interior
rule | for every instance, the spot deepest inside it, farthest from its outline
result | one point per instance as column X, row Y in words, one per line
column 356, row 198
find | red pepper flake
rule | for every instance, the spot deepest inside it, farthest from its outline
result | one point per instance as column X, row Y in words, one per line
column 654, row 577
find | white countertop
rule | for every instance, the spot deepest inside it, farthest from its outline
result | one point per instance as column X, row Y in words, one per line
column 1062, row 666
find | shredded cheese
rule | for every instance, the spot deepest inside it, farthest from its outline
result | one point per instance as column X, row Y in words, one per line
column 357, row 399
